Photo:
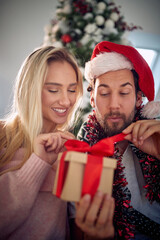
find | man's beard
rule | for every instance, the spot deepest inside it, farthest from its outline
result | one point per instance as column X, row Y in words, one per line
column 114, row 128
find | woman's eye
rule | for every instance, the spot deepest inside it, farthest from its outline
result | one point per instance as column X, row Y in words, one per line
column 72, row 90
column 52, row 91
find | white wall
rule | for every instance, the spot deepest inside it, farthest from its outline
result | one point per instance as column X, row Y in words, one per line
column 144, row 13
column 21, row 30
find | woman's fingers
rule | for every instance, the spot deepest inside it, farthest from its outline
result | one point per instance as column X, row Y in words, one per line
column 56, row 141
column 66, row 135
column 48, row 145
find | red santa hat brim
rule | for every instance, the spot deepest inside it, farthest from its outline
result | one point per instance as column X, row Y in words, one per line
column 105, row 62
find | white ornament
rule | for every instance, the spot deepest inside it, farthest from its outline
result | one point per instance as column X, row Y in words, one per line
column 85, row 39
column 114, row 30
column 47, row 29
column 101, row 6
column 97, row 38
column 67, row 9
column 64, row 28
column 110, row 30
column 90, row 28
column 55, row 28
column 109, row 24
column 114, row 16
column 99, row 20
column 98, row 31
column 78, row 31
column 57, row 44
column 88, row 16
column 59, row 10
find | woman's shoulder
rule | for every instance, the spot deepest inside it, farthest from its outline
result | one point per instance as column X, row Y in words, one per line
column 16, row 160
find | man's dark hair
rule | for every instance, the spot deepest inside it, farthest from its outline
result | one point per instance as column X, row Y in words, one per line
column 136, row 77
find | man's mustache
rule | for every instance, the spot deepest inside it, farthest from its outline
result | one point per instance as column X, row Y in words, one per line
column 114, row 114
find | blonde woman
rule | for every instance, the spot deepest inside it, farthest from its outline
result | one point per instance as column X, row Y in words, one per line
column 47, row 89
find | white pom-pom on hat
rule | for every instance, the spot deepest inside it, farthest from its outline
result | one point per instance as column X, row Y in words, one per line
column 151, row 110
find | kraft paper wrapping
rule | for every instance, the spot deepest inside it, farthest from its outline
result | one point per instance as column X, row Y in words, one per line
column 75, row 163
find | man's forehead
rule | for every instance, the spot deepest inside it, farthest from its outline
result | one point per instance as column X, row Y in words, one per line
column 115, row 78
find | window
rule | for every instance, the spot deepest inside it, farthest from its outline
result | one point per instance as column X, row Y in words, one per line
column 152, row 57
column 149, row 55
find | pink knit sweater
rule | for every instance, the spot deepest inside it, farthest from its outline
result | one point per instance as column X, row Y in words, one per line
column 28, row 209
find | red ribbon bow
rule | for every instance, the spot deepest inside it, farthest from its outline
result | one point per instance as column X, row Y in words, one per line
column 93, row 168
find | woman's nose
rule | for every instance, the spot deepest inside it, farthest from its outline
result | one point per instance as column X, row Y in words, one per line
column 64, row 100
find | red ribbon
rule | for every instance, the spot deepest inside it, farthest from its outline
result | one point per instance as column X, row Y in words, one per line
column 93, row 168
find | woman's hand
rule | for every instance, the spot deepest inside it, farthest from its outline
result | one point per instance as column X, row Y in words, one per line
column 47, row 146
column 145, row 135
column 95, row 217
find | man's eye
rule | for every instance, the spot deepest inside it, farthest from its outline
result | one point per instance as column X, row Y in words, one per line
column 124, row 93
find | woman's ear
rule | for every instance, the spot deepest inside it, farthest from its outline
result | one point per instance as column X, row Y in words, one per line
column 92, row 99
column 139, row 99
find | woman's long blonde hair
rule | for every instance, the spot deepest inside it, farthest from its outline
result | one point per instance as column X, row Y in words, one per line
column 25, row 121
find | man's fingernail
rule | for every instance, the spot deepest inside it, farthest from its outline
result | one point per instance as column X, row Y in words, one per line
column 108, row 197
column 87, row 197
column 99, row 193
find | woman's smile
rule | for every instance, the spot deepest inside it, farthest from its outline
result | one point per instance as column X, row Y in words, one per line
column 60, row 111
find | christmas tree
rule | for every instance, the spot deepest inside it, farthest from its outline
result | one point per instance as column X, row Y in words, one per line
column 81, row 24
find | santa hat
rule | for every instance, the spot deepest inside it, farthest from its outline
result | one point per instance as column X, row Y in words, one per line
column 108, row 56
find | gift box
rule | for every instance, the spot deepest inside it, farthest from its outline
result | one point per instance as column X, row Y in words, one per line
column 74, row 186
column 83, row 169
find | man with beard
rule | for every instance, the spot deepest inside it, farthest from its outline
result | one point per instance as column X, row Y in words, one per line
column 118, row 78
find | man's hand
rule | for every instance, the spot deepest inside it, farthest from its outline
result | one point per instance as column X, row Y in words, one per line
column 145, row 135
column 95, row 217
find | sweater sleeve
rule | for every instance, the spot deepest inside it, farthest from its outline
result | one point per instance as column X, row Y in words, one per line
column 18, row 192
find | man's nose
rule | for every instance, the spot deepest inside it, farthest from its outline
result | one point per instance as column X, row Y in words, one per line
column 114, row 101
